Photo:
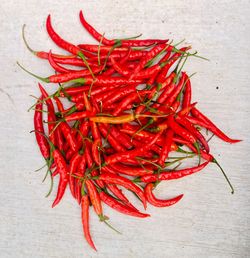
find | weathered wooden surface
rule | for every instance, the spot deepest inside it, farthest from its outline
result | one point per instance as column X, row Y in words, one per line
column 209, row 221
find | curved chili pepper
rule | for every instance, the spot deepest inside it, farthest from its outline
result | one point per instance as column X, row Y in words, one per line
column 171, row 175
column 120, row 195
column 211, row 126
column 96, row 35
column 185, row 134
column 38, row 125
column 157, row 202
column 68, row 135
column 115, row 179
column 166, row 147
column 64, row 177
column 189, row 126
column 114, row 204
column 135, row 43
column 56, row 66
column 64, row 44
column 94, row 198
column 51, row 116
column 74, row 162
column 85, row 220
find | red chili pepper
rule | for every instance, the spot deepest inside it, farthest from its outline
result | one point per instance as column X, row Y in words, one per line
column 186, row 102
column 157, row 202
column 60, row 140
column 51, row 116
column 85, row 220
column 64, row 177
column 170, row 100
column 135, row 43
column 103, row 49
column 74, row 61
column 135, row 55
column 56, row 66
column 115, row 179
column 189, row 126
column 95, row 198
column 74, row 162
column 211, row 126
column 64, row 44
column 119, row 194
column 167, row 83
column 38, row 125
column 81, row 171
column 90, row 162
column 96, row 152
column 68, row 135
column 150, row 54
column 78, row 115
column 114, row 204
column 171, row 175
column 166, row 147
column 185, row 134
column 132, row 170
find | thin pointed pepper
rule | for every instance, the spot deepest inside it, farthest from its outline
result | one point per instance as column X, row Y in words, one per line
column 99, row 37
column 166, row 147
column 157, row 202
column 212, row 127
column 38, row 125
column 85, row 220
column 64, row 177
column 115, row 179
column 114, row 204
column 74, row 162
column 64, row 44
column 172, row 175
column 94, row 198
column 78, row 185
column 120, row 195
column 189, row 126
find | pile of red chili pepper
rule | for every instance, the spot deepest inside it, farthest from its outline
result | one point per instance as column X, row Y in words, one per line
column 122, row 116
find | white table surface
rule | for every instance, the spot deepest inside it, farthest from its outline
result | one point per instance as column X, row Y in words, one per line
column 209, row 221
